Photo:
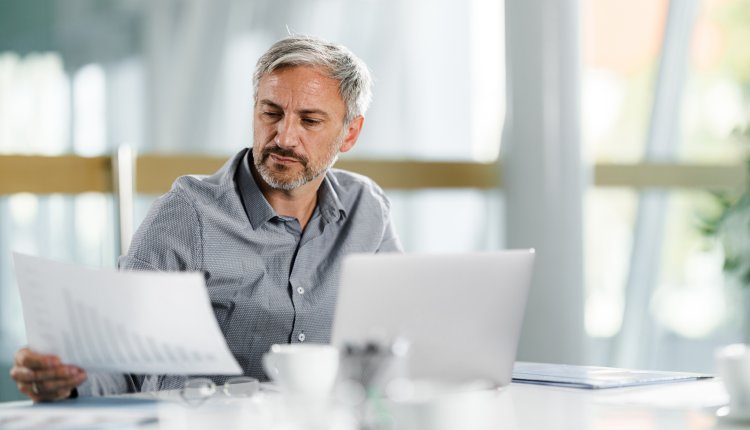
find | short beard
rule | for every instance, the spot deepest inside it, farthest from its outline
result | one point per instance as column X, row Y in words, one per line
column 308, row 174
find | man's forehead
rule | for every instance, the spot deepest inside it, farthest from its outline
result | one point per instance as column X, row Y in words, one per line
column 311, row 79
column 270, row 104
column 309, row 82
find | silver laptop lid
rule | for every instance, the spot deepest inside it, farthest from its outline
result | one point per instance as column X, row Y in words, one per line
column 462, row 313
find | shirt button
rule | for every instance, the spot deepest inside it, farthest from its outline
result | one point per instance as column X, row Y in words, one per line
column 301, row 337
column 300, row 290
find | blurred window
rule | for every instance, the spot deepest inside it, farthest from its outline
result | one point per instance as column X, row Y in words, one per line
column 688, row 310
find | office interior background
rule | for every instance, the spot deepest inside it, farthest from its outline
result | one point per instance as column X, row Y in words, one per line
column 603, row 130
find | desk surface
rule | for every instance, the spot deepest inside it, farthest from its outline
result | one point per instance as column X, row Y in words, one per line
column 683, row 405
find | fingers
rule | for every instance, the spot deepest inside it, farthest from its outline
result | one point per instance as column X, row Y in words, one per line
column 43, row 377
column 25, row 374
column 43, row 396
column 53, row 385
column 48, row 390
column 34, row 360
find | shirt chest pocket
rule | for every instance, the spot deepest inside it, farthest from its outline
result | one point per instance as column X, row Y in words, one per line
column 228, row 290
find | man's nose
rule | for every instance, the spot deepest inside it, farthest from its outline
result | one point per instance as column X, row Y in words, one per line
column 286, row 133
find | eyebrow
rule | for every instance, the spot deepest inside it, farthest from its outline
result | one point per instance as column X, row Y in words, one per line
column 273, row 105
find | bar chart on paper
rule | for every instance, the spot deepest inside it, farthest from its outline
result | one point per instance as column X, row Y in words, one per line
column 138, row 322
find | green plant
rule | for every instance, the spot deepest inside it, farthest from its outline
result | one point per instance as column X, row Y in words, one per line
column 731, row 224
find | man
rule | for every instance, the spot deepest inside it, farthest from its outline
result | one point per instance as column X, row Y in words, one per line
column 268, row 230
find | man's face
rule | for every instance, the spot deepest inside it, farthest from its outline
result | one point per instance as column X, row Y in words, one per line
column 298, row 127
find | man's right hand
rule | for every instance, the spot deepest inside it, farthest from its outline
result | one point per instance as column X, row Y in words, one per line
column 43, row 377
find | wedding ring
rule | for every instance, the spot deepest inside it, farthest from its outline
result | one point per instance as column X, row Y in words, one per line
column 34, row 388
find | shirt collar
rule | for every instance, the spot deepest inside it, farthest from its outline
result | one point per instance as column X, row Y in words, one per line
column 260, row 211
column 329, row 203
column 257, row 208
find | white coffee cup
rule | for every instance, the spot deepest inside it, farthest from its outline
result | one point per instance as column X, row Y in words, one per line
column 303, row 370
column 733, row 365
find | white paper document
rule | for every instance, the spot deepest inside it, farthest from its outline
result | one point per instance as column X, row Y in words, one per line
column 132, row 322
column 594, row 377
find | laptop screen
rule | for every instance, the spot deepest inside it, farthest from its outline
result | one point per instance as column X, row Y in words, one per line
column 461, row 313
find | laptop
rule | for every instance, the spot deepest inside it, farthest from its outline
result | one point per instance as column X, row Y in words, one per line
column 461, row 313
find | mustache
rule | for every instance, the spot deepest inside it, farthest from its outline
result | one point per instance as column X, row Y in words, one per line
column 282, row 152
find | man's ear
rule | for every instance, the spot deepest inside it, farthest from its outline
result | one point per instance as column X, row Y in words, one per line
column 352, row 133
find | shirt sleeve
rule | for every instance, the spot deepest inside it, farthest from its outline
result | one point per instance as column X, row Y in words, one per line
column 105, row 384
column 167, row 240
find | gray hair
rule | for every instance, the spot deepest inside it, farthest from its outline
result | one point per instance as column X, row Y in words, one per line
column 355, row 83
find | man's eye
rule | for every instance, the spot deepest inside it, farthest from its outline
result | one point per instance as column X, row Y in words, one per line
column 311, row 121
column 272, row 115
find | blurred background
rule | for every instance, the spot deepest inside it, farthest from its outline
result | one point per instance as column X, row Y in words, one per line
column 603, row 131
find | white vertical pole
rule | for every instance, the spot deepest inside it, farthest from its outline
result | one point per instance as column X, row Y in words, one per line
column 123, row 174
column 635, row 345
column 543, row 173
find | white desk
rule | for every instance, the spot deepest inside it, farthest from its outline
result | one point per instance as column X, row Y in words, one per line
column 682, row 405
column 678, row 406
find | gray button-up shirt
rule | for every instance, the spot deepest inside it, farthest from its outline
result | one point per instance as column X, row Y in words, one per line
column 269, row 281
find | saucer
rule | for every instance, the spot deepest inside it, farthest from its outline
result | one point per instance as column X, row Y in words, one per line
column 725, row 414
